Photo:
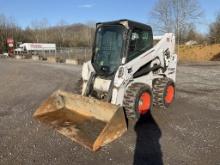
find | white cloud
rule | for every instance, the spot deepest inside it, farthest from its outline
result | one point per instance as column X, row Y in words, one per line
column 86, row 6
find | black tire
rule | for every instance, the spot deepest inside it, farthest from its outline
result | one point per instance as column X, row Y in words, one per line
column 132, row 97
column 160, row 86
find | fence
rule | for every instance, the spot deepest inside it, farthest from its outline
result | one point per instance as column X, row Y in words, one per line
column 79, row 53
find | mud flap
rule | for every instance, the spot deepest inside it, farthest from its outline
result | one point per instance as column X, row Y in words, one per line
column 87, row 121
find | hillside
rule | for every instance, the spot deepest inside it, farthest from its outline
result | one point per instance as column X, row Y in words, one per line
column 199, row 53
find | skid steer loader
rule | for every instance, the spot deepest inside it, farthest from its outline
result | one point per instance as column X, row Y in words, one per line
column 126, row 77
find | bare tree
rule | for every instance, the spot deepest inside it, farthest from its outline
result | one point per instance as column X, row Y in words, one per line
column 8, row 28
column 62, row 34
column 39, row 28
column 214, row 30
column 61, row 28
column 91, row 31
column 175, row 15
column 44, row 26
column 192, row 34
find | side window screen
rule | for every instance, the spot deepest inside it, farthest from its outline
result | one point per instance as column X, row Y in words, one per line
column 140, row 42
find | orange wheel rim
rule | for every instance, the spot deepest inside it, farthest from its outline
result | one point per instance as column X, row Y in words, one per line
column 144, row 103
column 169, row 94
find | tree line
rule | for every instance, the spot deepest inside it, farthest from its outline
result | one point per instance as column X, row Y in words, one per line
column 64, row 35
column 177, row 16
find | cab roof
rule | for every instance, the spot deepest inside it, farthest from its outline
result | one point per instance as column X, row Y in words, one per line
column 129, row 24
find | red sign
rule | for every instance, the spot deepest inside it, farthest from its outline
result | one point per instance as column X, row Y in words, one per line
column 10, row 42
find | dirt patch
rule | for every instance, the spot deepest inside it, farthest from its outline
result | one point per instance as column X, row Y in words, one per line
column 216, row 57
column 199, row 53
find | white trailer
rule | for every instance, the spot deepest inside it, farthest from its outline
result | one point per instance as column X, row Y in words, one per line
column 36, row 48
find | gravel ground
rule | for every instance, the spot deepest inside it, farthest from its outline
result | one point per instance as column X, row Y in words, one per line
column 187, row 133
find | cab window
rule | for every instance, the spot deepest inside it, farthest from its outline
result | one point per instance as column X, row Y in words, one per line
column 140, row 42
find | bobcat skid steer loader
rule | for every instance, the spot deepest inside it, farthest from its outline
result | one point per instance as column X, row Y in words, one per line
column 127, row 73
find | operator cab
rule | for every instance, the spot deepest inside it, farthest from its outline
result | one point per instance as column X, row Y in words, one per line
column 117, row 40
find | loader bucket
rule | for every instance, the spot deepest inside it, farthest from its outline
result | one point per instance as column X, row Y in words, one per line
column 87, row 121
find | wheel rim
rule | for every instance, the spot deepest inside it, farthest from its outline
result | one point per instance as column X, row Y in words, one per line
column 144, row 103
column 169, row 94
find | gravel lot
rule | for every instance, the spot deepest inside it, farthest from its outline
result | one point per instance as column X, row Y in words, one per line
column 187, row 133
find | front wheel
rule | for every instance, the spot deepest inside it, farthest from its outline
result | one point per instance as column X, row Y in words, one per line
column 138, row 100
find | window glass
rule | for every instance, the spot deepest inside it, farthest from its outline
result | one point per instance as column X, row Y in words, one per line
column 140, row 42
column 108, row 48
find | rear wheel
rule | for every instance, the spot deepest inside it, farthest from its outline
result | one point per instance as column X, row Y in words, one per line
column 137, row 100
column 164, row 92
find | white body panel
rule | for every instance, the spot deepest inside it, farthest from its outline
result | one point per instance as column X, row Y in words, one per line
column 101, row 84
column 157, row 37
column 162, row 54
